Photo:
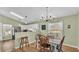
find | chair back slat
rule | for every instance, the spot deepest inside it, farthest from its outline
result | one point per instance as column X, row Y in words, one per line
column 62, row 40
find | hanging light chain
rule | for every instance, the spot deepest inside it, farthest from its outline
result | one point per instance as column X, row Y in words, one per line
column 46, row 13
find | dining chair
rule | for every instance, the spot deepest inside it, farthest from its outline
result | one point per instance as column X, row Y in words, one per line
column 44, row 44
column 59, row 47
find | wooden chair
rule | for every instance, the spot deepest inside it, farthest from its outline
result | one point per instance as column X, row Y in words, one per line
column 59, row 47
column 44, row 44
column 37, row 40
column 24, row 42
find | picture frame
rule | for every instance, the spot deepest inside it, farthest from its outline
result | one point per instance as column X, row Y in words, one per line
column 43, row 27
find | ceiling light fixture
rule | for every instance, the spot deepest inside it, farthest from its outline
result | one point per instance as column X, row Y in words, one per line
column 17, row 15
column 46, row 13
column 49, row 15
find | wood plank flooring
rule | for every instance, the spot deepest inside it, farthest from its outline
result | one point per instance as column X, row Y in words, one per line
column 69, row 49
column 7, row 46
column 32, row 48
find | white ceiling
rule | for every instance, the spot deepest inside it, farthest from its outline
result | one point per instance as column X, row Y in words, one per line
column 35, row 13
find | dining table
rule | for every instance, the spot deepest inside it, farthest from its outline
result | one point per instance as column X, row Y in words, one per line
column 54, row 43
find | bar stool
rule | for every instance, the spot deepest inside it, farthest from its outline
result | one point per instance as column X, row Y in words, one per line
column 24, row 42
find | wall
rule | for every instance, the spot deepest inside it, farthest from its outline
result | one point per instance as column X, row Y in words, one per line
column 78, row 30
column 44, row 32
column 7, row 20
column 43, row 22
column 71, row 35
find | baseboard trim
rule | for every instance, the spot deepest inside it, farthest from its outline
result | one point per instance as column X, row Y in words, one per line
column 72, row 46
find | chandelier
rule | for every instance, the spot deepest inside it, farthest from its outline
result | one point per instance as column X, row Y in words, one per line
column 47, row 17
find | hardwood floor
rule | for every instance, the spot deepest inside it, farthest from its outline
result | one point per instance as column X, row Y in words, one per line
column 8, row 45
column 32, row 48
column 27, row 49
column 69, row 49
